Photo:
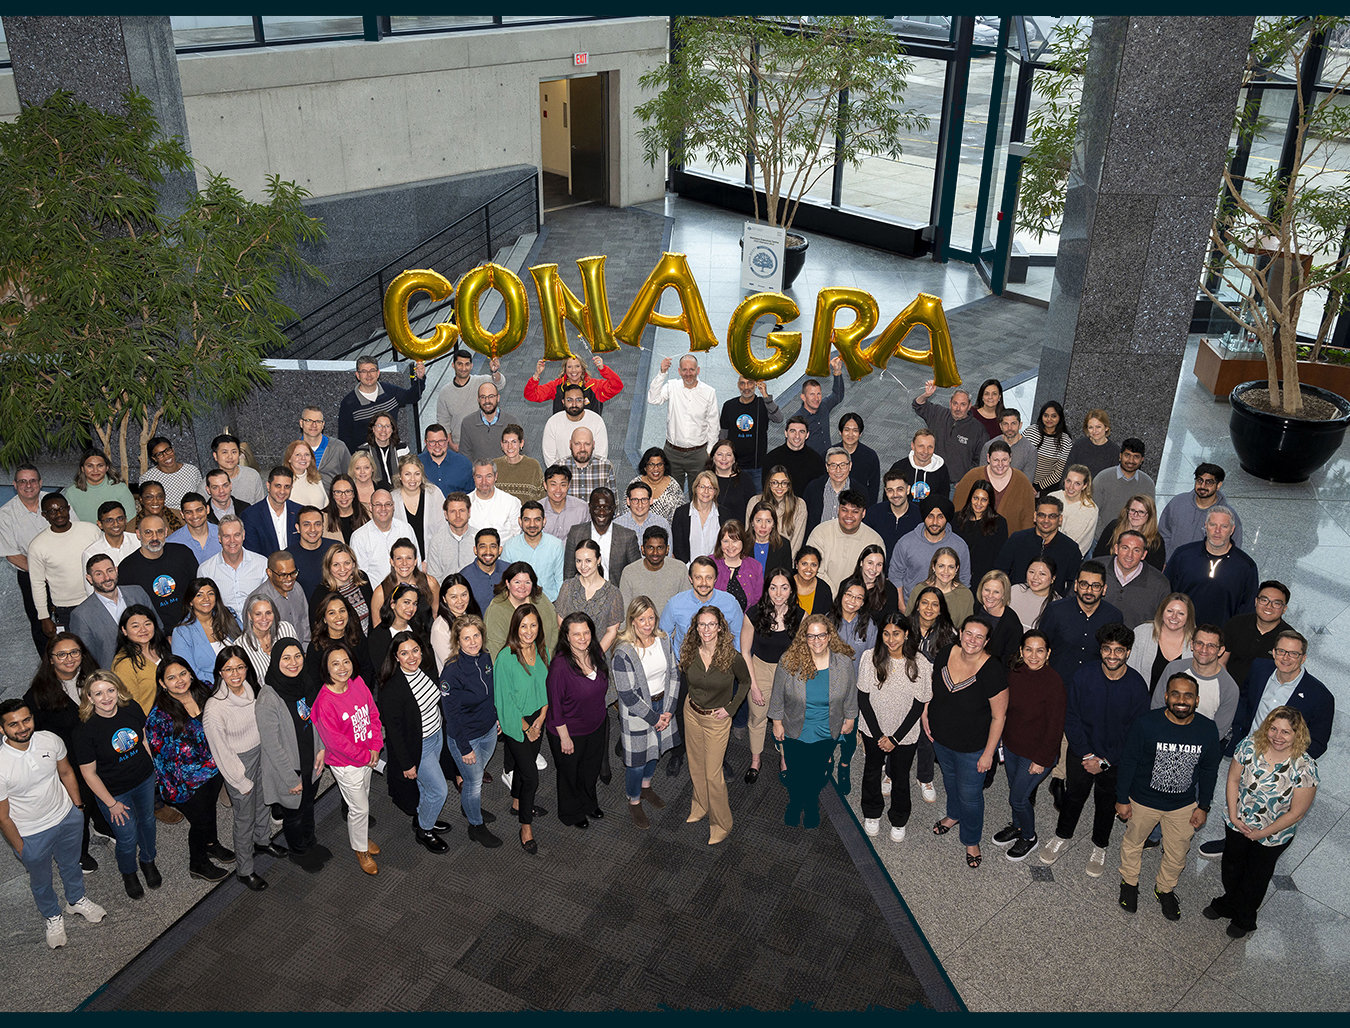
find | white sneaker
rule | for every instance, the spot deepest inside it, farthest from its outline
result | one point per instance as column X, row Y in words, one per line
column 872, row 825
column 885, row 785
column 929, row 793
column 897, row 834
column 276, row 825
column 56, row 931
column 506, row 777
column 87, row 909
column 1051, row 850
column 96, row 836
column 540, row 762
column 1096, row 865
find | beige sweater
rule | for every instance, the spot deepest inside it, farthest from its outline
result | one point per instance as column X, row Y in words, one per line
column 231, row 727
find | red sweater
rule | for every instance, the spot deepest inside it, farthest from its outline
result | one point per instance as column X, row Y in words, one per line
column 1035, row 724
column 604, row 388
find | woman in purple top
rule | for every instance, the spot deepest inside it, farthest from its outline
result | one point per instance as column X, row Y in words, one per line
column 578, row 679
column 737, row 572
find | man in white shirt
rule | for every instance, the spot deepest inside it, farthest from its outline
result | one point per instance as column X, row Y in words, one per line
column 459, row 397
column 20, row 521
column 42, row 817
column 198, row 534
column 331, row 455
column 558, row 430
column 539, row 549
column 371, row 542
column 691, row 418
column 618, row 545
column 492, row 507
column 238, row 571
column 55, row 565
column 115, row 541
column 448, row 552
column 562, row 510
column 95, row 620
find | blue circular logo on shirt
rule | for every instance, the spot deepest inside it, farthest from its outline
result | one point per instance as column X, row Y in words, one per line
column 745, row 423
column 164, row 585
column 919, row 490
column 125, row 740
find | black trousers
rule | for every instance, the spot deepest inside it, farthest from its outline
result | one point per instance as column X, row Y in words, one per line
column 30, row 608
column 200, row 811
column 896, row 765
column 93, row 815
column 1247, row 869
column 525, row 780
column 298, row 824
column 578, row 772
column 1078, row 786
column 923, row 771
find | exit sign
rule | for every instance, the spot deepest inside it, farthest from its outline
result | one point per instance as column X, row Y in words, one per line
column 580, row 59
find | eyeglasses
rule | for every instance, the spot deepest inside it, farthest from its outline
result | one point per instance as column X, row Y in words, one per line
column 66, row 655
column 285, row 574
column 835, row 465
column 1207, row 480
column 1266, row 602
column 162, row 451
column 817, row 635
column 311, row 421
column 1291, row 654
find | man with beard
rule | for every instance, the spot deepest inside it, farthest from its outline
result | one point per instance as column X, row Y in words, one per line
column 1182, row 521
column 163, row 569
column 618, row 545
column 1167, row 773
column 480, row 433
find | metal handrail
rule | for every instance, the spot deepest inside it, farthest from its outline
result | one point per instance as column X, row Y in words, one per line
column 353, row 321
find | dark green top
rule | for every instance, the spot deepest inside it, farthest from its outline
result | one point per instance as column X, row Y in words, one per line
column 711, row 688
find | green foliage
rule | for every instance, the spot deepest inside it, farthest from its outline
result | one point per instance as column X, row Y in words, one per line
column 1276, row 236
column 110, row 314
column 770, row 88
column 1052, row 128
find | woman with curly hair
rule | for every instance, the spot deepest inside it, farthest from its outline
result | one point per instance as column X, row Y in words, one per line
column 895, row 683
column 767, row 631
column 717, row 680
column 207, row 626
column 790, row 508
column 815, row 701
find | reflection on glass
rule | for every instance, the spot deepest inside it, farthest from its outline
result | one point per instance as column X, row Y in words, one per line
column 284, row 27
column 427, row 22
column 1000, row 157
column 211, row 30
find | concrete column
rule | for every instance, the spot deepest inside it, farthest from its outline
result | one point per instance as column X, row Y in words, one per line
column 1159, row 98
column 99, row 58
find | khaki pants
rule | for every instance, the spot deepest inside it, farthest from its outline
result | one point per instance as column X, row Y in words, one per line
column 1058, row 770
column 759, row 716
column 1176, row 843
column 706, row 742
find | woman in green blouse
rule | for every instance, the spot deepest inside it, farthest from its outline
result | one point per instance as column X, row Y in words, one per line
column 717, row 681
column 814, row 702
column 520, row 674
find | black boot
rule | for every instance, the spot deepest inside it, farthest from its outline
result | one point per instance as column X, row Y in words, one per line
column 152, row 875
column 208, row 872
column 484, row 837
column 133, row 886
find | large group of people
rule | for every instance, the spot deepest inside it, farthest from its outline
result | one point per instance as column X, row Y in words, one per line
column 990, row 598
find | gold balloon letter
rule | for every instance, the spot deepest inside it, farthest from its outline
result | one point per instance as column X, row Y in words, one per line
column 517, row 304
column 396, row 297
column 925, row 310
column 787, row 344
column 671, row 271
column 847, row 339
column 557, row 302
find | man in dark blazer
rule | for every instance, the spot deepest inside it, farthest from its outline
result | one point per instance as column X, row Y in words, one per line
column 1284, row 682
column 95, row 620
column 260, row 520
column 623, row 544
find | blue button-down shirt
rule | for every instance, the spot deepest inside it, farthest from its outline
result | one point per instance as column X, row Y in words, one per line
column 452, row 475
column 546, row 559
column 680, row 612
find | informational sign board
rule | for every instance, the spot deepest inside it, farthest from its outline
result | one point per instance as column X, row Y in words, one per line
column 762, row 257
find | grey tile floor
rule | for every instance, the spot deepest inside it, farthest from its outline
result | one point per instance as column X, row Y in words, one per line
column 1012, row 937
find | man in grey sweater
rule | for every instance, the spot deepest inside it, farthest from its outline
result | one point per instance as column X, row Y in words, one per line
column 1023, row 452
column 959, row 435
column 1182, row 521
column 914, row 551
column 1112, row 488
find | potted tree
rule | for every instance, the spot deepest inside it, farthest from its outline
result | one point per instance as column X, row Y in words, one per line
column 1276, row 237
column 113, row 318
column 794, row 94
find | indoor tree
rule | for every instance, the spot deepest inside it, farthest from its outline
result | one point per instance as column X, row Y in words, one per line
column 114, row 319
column 794, row 94
column 1279, row 232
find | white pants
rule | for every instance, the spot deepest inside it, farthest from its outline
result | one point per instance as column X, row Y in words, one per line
column 355, row 785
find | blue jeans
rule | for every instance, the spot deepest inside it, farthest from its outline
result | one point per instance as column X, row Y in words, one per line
column 472, row 794
column 431, row 784
column 633, row 777
column 756, row 476
column 61, row 843
column 964, row 785
column 1021, row 785
column 138, row 827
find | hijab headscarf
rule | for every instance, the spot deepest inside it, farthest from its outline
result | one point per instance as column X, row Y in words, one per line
column 298, row 694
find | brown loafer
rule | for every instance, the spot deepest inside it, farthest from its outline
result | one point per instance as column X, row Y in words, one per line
column 371, row 848
column 168, row 815
column 638, row 815
column 367, row 864
column 651, row 797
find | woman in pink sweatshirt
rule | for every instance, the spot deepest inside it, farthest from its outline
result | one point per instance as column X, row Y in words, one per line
column 348, row 722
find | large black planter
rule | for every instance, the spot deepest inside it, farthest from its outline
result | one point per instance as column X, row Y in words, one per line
column 794, row 259
column 1283, row 449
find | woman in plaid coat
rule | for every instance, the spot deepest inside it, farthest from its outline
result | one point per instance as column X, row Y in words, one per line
column 647, row 678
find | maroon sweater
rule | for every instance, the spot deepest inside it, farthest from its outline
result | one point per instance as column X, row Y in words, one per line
column 1035, row 725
